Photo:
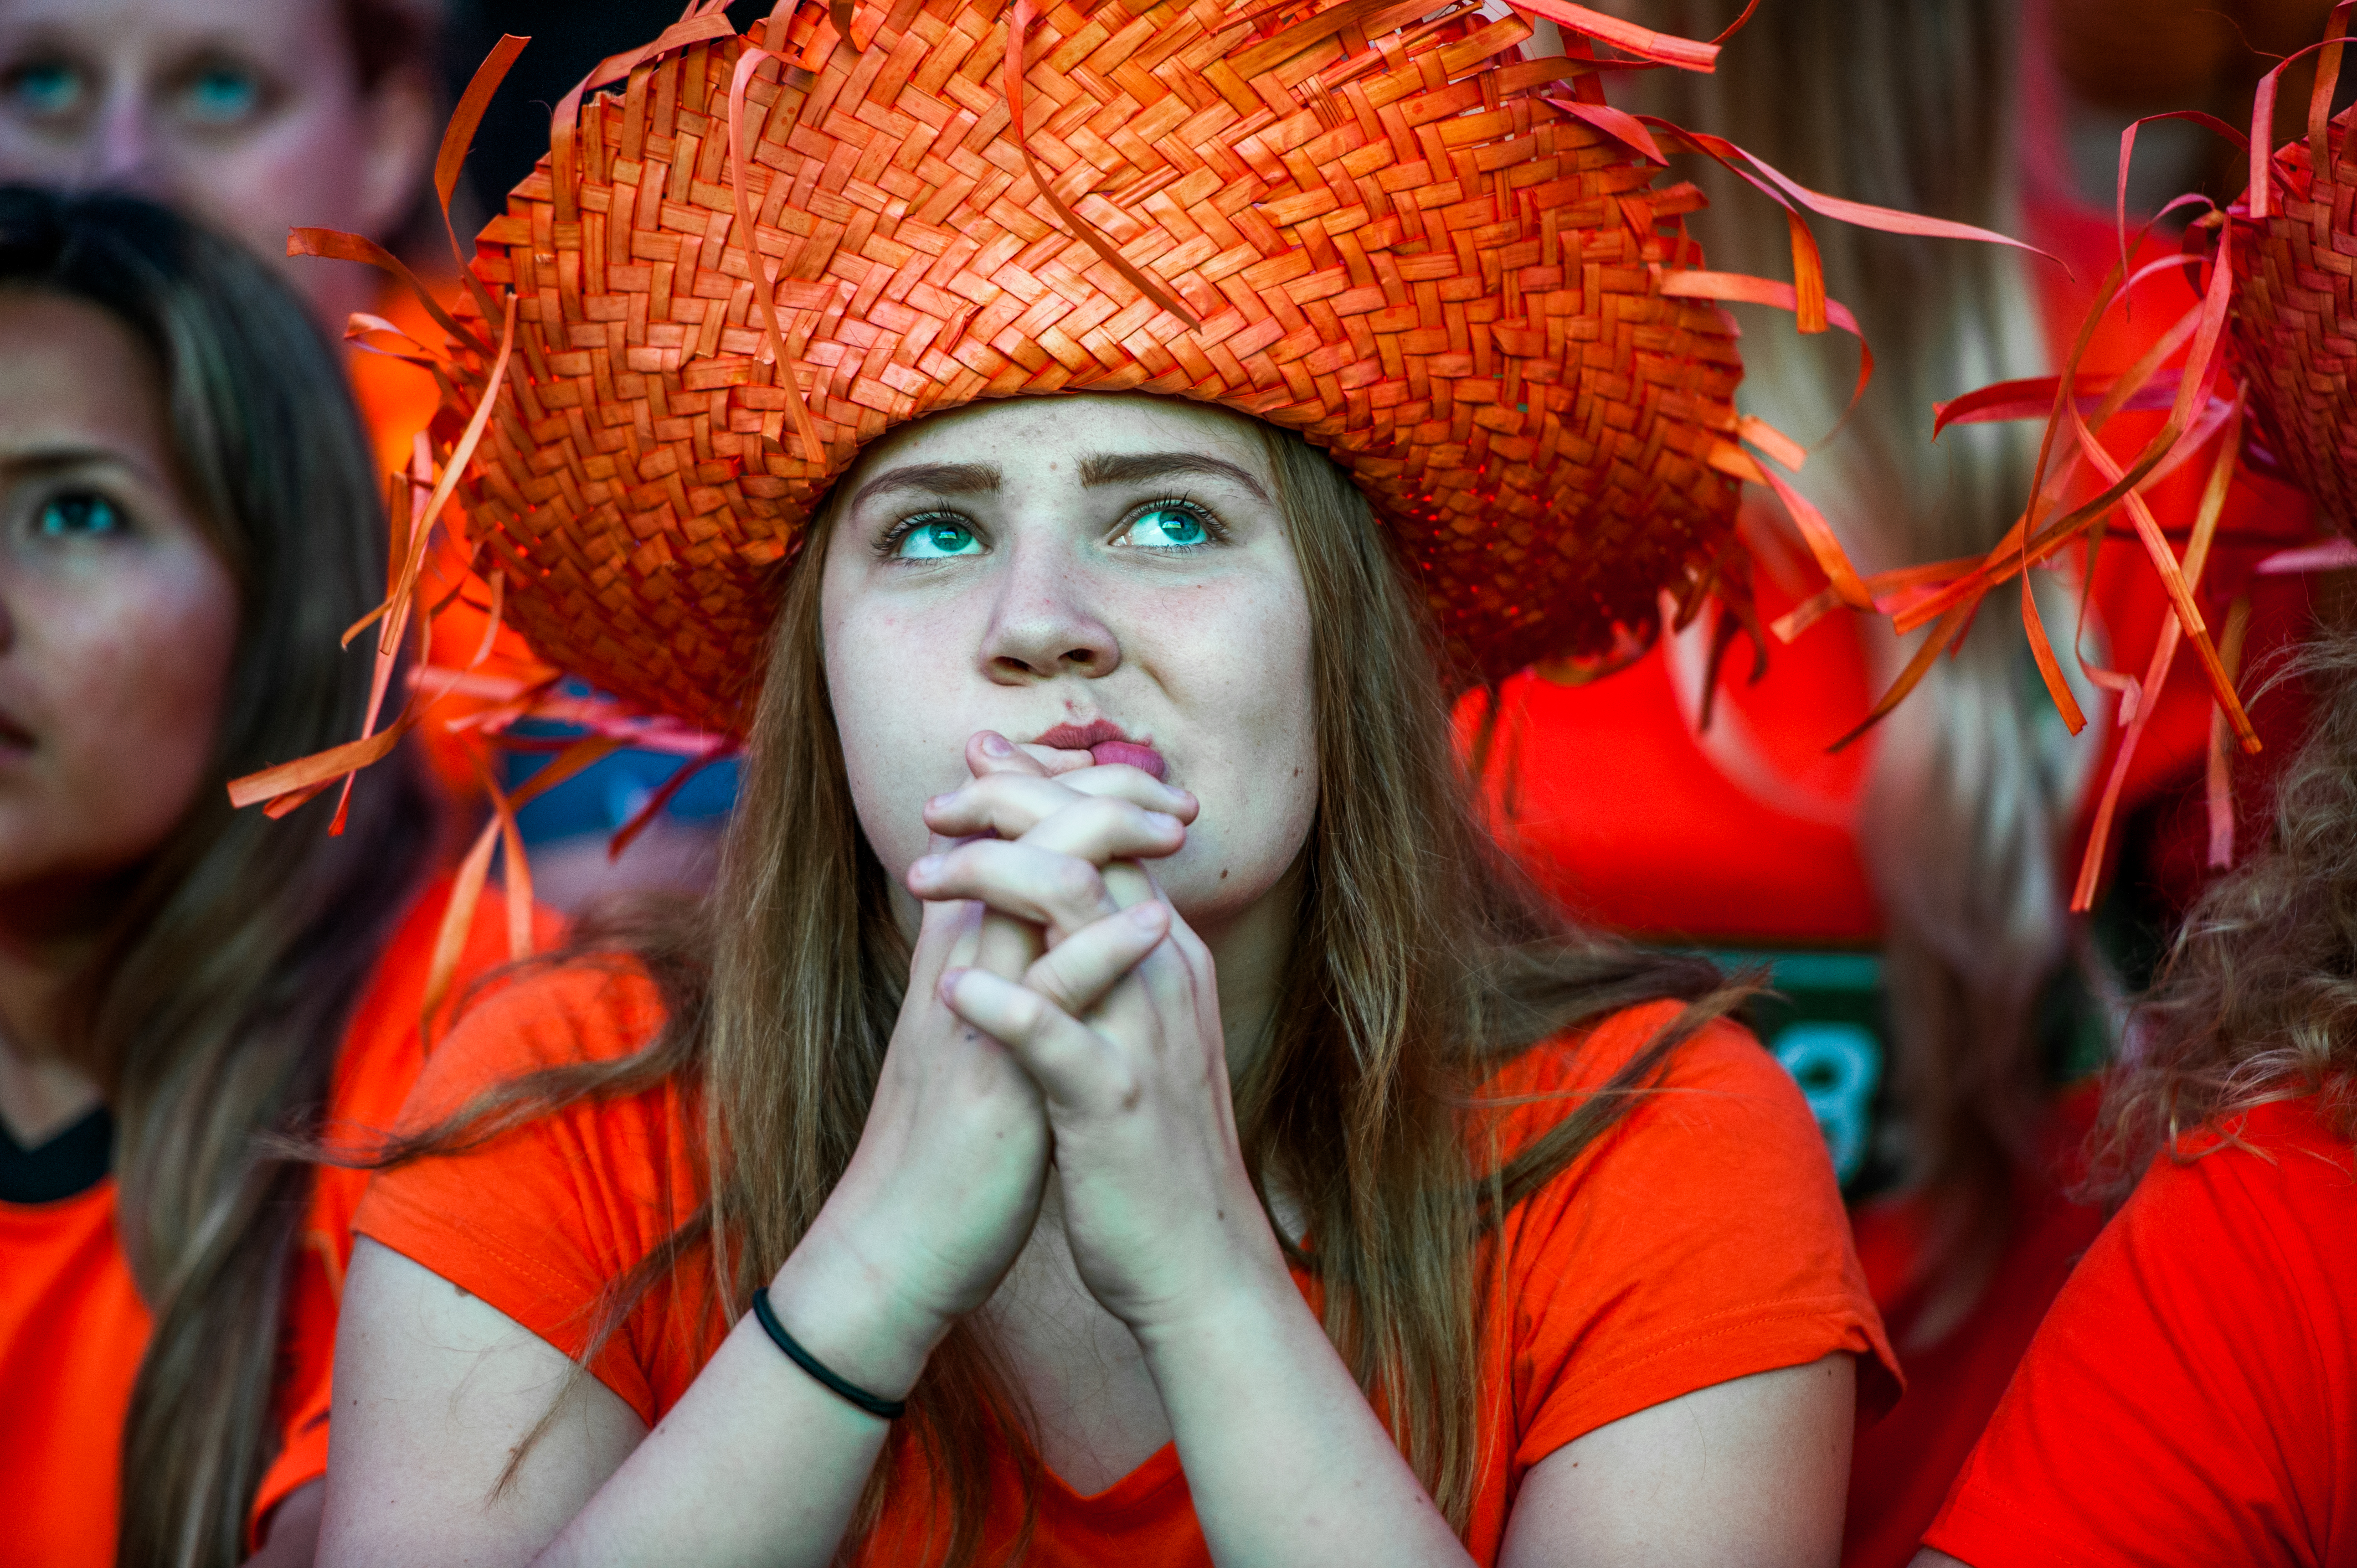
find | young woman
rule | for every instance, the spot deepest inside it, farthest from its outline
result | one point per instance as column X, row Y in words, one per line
column 1108, row 980
column 1116, row 1106
column 2202, row 1360
column 188, row 520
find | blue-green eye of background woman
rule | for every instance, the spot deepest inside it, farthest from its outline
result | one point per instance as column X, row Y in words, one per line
column 77, row 516
column 932, row 541
column 43, row 87
column 222, row 93
column 1165, row 528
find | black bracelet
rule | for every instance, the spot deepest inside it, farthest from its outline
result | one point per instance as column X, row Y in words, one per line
column 890, row 1409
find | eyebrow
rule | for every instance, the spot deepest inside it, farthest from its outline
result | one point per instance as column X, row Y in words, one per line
column 1134, row 468
column 932, row 478
column 41, row 461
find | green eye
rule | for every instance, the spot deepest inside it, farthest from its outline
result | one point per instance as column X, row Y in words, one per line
column 77, row 515
column 936, row 540
column 221, row 94
column 44, row 87
column 1166, row 527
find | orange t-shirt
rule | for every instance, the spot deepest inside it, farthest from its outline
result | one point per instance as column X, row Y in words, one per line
column 1701, row 1240
column 2192, row 1397
column 73, row 1328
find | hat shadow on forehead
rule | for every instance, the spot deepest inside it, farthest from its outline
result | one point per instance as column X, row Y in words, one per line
column 1391, row 234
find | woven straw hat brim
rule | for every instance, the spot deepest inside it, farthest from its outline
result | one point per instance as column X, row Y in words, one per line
column 1391, row 236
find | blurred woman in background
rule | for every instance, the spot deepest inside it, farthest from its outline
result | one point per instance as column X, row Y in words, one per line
column 252, row 116
column 188, row 519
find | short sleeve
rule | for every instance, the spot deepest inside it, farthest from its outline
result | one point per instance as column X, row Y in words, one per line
column 545, row 1219
column 1702, row 1239
column 2186, row 1399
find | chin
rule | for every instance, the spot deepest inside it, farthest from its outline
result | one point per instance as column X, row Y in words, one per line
column 1205, row 899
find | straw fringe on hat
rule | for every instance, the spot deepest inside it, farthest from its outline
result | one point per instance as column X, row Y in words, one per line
column 2269, row 353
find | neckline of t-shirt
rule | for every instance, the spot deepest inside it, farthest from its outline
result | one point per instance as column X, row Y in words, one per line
column 1128, row 1494
column 65, row 1165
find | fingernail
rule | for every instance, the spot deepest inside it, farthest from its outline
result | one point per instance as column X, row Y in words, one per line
column 949, row 977
column 1147, row 915
column 995, row 745
column 1162, row 818
column 925, row 866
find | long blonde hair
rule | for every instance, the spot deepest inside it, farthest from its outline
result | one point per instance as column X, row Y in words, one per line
column 1422, row 962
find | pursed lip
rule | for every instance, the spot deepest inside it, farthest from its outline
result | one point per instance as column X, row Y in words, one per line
column 1107, row 742
column 1087, row 736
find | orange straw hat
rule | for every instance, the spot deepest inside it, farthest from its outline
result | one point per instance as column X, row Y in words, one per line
column 2266, row 374
column 1452, row 268
column 1449, row 267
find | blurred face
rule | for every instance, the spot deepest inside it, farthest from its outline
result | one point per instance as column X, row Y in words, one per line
column 246, row 113
column 1108, row 574
column 117, row 620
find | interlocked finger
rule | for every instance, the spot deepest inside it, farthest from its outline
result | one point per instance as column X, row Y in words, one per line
column 1012, row 805
column 1076, row 974
column 1059, row 892
column 1071, row 1063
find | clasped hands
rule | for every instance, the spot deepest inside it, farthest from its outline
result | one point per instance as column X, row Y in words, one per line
column 1059, row 1013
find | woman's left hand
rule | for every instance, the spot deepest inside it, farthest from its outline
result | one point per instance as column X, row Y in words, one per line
column 1129, row 1055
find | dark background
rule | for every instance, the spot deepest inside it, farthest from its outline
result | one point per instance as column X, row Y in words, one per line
column 568, row 37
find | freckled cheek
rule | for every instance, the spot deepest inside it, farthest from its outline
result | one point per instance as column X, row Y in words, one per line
column 1242, row 669
column 135, row 690
column 1238, row 669
column 902, row 690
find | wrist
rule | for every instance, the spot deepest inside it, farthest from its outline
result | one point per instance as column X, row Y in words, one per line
column 846, row 1311
column 1219, row 1303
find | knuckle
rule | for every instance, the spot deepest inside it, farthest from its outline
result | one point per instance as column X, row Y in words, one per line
column 1076, row 883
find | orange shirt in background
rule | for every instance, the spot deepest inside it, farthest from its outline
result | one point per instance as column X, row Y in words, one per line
column 396, row 402
column 1702, row 1240
column 73, row 1328
column 2192, row 1397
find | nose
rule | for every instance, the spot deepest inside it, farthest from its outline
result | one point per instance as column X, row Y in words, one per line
column 123, row 151
column 1043, row 624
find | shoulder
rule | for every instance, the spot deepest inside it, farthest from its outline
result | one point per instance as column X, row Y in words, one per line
column 551, row 1165
column 2276, row 1153
column 1716, row 1083
column 2243, row 1225
column 1697, row 1238
column 2207, row 1345
column 582, row 1012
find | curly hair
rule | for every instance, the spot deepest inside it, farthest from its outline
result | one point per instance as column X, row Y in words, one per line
column 2257, row 1001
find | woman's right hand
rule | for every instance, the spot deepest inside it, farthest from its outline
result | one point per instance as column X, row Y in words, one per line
column 945, row 1188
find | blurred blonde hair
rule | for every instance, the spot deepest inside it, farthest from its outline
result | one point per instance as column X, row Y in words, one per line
column 1974, row 785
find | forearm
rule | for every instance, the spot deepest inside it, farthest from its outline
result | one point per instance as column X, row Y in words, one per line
column 757, row 1462
column 1285, row 1461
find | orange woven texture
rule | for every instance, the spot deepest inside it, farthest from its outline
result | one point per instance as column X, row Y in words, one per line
column 2292, row 326
column 1393, row 244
